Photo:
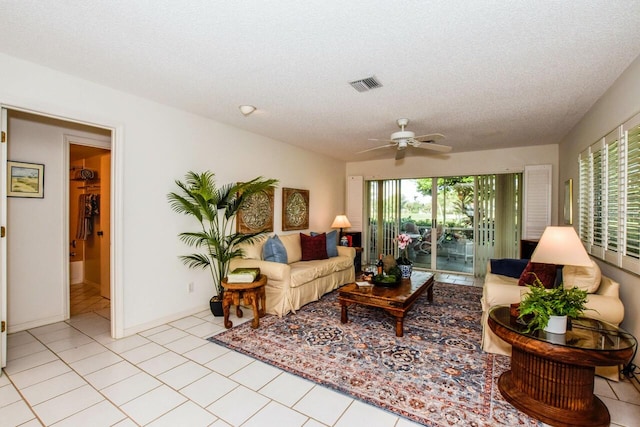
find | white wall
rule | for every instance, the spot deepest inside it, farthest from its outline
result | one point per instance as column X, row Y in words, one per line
column 619, row 103
column 154, row 145
column 508, row 160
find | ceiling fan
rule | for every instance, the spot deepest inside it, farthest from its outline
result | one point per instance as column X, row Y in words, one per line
column 405, row 138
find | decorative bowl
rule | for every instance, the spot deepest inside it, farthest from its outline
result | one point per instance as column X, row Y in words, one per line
column 386, row 281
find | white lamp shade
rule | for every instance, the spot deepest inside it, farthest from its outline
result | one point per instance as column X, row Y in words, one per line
column 561, row 246
column 341, row 221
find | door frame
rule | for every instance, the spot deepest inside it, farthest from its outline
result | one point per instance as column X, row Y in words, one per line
column 3, row 239
column 117, row 234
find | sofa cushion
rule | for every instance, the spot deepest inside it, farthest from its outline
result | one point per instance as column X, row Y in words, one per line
column 313, row 247
column 291, row 243
column 273, row 250
column 545, row 272
column 253, row 250
column 509, row 267
column 332, row 242
column 586, row 278
column 304, row 272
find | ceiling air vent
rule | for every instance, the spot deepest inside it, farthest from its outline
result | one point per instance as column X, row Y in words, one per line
column 365, row 84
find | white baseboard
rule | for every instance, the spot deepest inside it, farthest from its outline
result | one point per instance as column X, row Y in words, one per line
column 168, row 319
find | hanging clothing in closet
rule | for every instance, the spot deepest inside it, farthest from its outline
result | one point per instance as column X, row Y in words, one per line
column 89, row 207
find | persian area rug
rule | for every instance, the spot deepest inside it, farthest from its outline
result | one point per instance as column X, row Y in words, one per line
column 436, row 375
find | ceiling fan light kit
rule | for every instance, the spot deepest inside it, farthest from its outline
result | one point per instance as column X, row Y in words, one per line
column 405, row 138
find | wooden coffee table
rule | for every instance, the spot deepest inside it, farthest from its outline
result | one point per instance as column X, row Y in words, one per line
column 397, row 301
column 552, row 375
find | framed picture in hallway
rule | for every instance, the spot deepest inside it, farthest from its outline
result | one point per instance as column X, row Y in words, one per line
column 295, row 209
column 25, row 180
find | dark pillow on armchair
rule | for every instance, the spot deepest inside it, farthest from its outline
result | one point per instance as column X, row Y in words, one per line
column 313, row 247
column 545, row 272
column 510, row 267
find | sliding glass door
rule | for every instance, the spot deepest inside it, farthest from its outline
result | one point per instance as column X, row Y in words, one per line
column 451, row 220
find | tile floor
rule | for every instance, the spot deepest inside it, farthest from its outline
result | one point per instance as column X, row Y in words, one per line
column 74, row 374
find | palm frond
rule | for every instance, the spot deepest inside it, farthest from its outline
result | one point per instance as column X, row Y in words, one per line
column 199, row 196
column 196, row 261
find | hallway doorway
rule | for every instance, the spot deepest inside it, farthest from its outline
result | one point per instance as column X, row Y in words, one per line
column 89, row 227
column 42, row 229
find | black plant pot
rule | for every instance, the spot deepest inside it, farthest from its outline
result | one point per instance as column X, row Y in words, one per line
column 215, row 303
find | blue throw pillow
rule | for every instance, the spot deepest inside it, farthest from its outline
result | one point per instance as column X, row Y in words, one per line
column 332, row 242
column 509, row 267
column 274, row 250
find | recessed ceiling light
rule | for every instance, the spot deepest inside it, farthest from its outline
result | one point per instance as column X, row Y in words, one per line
column 247, row 109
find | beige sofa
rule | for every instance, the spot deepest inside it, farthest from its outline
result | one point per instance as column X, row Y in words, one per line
column 603, row 302
column 292, row 285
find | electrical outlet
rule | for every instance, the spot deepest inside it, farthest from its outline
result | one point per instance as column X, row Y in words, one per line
column 190, row 287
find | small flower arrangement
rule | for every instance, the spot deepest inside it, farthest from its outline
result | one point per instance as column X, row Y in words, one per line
column 403, row 241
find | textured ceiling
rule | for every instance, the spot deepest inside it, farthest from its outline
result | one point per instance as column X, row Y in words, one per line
column 486, row 74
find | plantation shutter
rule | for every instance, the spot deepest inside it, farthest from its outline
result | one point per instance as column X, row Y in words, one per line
column 613, row 193
column 354, row 202
column 537, row 201
column 584, row 198
column 632, row 209
column 598, row 197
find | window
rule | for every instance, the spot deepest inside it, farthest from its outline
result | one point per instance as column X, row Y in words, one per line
column 609, row 197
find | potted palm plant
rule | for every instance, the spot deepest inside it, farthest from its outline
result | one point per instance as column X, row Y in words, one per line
column 544, row 307
column 215, row 209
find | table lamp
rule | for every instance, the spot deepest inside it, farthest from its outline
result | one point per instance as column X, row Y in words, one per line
column 561, row 246
column 341, row 222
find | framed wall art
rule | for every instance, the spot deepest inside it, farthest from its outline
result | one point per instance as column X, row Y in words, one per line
column 25, row 180
column 295, row 209
column 257, row 213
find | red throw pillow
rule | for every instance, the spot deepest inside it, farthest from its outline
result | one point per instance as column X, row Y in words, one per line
column 545, row 272
column 313, row 247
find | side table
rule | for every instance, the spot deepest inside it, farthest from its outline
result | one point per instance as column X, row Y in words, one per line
column 252, row 294
column 552, row 375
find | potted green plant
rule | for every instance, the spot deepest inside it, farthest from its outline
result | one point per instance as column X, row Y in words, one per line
column 215, row 209
column 541, row 305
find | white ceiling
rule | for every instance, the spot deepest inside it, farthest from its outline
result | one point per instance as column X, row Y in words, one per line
column 487, row 74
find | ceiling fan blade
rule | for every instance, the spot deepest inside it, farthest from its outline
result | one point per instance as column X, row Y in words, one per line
column 376, row 148
column 400, row 154
column 434, row 147
column 381, row 140
column 429, row 137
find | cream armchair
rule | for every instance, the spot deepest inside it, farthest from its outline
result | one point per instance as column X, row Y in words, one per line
column 602, row 304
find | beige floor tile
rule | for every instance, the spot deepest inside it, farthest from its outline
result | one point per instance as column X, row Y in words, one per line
column 187, row 414
column 130, row 388
column 67, row 404
column 112, row 374
column 277, row 415
column 102, row 414
column 238, row 406
column 52, row 387
column 16, row 413
column 153, row 404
